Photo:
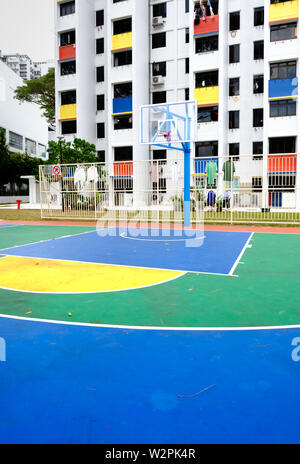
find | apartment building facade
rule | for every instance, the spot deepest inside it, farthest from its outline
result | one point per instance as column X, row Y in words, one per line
column 25, row 67
column 240, row 62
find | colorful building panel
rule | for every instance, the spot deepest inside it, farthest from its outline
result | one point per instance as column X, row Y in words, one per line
column 208, row 27
column 67, row 52
column 207, row 95
column 283, row 88
column 284, row 11
column 122, row 105
column 122, row 41
column 122, row 169
column 67, row 112
column 280, row 164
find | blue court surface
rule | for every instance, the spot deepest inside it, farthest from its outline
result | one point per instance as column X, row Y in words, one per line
column 4, row 226
column 64, row 383
column 216, row 253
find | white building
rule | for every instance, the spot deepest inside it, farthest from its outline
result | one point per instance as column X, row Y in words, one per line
column 239, row 60
column 26, row 130
column 25, row 67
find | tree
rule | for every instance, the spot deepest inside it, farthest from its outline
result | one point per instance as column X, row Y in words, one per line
column 42, row 92
column 78, row 151
column 4, row 157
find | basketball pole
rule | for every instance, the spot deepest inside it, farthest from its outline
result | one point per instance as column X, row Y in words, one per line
column 187, row 185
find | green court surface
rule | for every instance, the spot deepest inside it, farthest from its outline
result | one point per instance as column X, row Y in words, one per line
column 263, row 291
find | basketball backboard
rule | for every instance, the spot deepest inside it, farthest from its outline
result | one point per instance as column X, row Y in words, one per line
column 169, row 123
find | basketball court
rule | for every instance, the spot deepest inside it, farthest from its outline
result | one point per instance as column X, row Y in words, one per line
column 136, row 333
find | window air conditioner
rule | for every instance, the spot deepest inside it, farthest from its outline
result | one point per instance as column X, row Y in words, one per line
column 157, row 21
column 158, row 80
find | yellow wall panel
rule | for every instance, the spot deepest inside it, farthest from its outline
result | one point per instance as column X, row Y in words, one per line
column 68, row 112
column 283, row 11
column 122, row 41
column 207, row 95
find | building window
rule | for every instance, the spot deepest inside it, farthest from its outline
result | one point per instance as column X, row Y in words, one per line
column 234, row 86
column 281, row 108
column 122, row 26
column 206, row 149
column 234, row 21
column 15, row 140
column 100, row 103
column 123, row 154
column 257, row 149
column 207, row 44
column 99, row 46
column 123, row 90
column 187, row 6
column 283, row 70
column 208, row 114
column 159, row 69
column 160, row 9
column 67, row 38
column 187, row 94
column 234, row 151
column 207, row 79
column 123, row 122
column 187, row 66
column 283, row 32
column 258, row 117
column 101, row 156
column 159, row 40
column 122, row 58
column 69, row 67
column 159, row 97
column 30, row 147
column 258, row 50
column 259, row 16
column 68, row 98
column 258, row 83
column 67, row 8
column 283, row 145
column 187, row 35
column 234, row 53
column 68, row 127
column 100, row 74
column 234, row 119
column 99, row 18
column 100, row 130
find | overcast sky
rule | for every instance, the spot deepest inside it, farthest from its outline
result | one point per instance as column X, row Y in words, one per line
column 27, row 27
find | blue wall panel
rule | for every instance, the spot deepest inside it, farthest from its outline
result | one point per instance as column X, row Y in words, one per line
column 122, row 105
column 283, row 87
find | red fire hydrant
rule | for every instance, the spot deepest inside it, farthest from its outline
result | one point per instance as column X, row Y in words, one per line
column 19, row 203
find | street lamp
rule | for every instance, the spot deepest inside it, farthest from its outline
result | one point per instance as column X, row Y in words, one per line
column 61, row 138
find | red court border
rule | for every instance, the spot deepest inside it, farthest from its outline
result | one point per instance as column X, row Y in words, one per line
column 231, row 228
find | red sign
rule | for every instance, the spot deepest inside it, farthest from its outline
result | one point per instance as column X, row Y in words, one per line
column 56, row 170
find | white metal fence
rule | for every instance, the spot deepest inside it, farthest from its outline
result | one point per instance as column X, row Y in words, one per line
column 244, row 189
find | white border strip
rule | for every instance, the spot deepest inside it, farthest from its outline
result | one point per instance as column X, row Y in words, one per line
column 148, row 328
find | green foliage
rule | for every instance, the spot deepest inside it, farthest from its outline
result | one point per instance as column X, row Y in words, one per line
column 14, row 165
column 42, row 92
column 78, row 151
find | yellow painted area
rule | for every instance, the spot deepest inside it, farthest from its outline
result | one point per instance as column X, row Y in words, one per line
column 51, row 276
column 67, row 111
column 122, row 41
column 283, row 11
column 207, row 95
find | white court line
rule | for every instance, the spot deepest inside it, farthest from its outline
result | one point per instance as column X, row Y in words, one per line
column 158, row 328
column 116, row 265
column 240, row 255
column 96, row 291
column 166, row 239
column 44, row 241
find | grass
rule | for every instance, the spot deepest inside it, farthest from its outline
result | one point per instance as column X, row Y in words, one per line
column 211, row 217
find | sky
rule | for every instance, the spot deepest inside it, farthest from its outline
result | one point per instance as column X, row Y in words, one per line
column 27, row 27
